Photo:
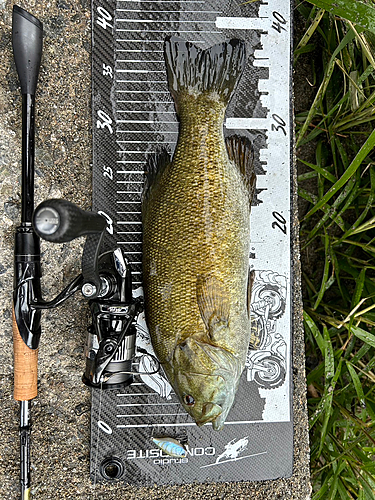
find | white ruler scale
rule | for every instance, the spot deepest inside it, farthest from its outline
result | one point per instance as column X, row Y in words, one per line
column 134, row 116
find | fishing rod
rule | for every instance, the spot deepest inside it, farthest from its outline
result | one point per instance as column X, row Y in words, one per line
column 27, row 35
column 105, row 280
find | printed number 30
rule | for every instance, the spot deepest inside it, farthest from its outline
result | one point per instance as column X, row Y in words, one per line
column 280, row 222
column 105, row 121
column 280, row 122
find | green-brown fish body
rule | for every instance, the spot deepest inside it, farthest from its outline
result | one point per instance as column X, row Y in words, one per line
column 196, row 223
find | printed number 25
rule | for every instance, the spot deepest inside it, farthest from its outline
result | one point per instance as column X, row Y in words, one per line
column 280, row 222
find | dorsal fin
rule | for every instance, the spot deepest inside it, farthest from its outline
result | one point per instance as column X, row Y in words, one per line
column 156, row 163
column 241, row 152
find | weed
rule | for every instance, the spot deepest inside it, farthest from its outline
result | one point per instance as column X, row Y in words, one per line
column 338, row 236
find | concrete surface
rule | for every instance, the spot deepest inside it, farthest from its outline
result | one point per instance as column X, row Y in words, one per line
column 61, row 412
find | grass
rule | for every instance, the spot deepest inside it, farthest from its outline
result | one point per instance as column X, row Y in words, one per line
column 338, row 244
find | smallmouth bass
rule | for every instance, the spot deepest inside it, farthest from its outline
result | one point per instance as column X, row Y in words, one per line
column 196, row 235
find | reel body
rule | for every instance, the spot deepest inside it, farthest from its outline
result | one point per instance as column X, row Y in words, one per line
column 111, row 339
column 106, row 282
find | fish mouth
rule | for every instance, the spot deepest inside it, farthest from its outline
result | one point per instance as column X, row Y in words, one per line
column 210, row 413
column 213, row 396
column 218, row 424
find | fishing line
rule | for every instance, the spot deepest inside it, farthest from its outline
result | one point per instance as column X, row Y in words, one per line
column 143, row 351
column 97, row 440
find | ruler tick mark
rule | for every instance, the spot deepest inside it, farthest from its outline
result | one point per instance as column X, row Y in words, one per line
column 129, row 182
column 163, row 31
column 154, row 21
column 143, row 111
column 142, row 172
column 144, row 102
column 138, row 61
column 140, row 81
column 164, row 1
column 143, row 121
column 171, row 11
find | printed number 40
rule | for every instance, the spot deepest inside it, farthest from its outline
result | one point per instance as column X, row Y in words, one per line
column 280, row 222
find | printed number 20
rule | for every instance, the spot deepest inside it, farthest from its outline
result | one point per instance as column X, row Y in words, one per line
column 280, row 222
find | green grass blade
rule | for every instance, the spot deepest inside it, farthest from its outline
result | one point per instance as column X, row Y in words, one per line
column 366, row 247
column 339, row 296
column 356, row 11
column 308, row 34
column 321, row 493
column 331, row 378
column 315, row 331
column 333, row 212
column 358, row 389
column 313, row 199
column 324, row 85
column 350, row 199
column 344, row 495
column 323, row 286
column 322, row 171
column 316, row 103
column 360, row 283
column 366, row 226
column 365, row 336
column 356, row 163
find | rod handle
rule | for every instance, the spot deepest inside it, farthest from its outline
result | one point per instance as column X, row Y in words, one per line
column 25, row 367
column 27, row 40
column 60, row 221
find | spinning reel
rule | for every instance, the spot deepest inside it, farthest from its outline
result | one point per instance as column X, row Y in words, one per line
column 106, row 282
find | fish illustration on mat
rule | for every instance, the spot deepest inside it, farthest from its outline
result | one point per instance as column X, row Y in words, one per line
column 196, row 235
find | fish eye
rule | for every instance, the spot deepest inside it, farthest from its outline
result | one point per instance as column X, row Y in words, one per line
column 189, row 400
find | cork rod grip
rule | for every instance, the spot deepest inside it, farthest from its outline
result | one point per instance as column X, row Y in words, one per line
column 25, row 367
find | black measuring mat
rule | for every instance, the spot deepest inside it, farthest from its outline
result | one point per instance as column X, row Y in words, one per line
column 133, row 116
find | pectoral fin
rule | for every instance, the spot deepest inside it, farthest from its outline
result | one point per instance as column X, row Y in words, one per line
column 213, row 305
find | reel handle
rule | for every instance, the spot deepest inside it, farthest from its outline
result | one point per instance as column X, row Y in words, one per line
column 60, row 221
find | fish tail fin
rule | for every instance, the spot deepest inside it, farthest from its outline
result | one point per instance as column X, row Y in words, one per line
column 215, row 70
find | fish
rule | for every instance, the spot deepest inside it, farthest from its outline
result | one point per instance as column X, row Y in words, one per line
column 170, row 446
column 196, row 234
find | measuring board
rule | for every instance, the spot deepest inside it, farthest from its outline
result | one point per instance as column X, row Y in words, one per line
column 133, row 115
